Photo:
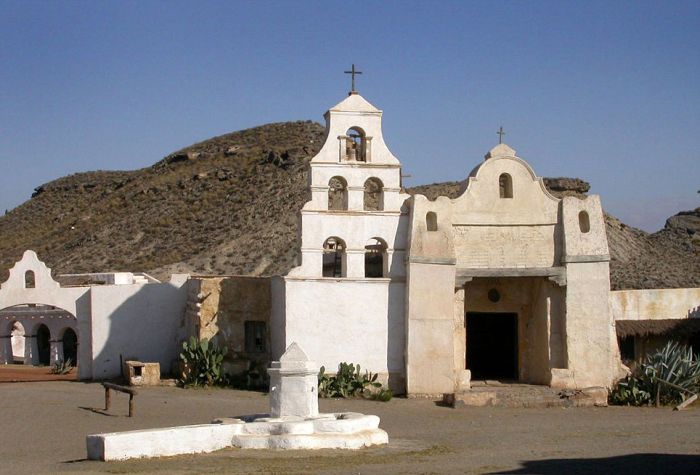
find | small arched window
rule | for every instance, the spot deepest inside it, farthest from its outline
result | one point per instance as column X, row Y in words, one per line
column 505, row 186
column 355, row 144
column 375, row 258
column 374, row 195
column 29, row 280
column 334, row 257
column 584, row 222
column 337, row 194
column 431, row 221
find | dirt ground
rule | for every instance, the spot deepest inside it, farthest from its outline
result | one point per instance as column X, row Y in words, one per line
column 44, row 424
column 15, row 373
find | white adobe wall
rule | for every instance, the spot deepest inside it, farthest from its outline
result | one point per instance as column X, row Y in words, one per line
column 140, row 321
column 655, row 304
column 356, row 321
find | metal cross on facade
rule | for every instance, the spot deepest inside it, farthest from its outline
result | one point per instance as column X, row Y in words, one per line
column 353, row 72
column 500, row 133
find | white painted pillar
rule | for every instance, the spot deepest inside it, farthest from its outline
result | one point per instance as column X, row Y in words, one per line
column 356, row 198
column 355, row 263
column 293, row 385
column 319, row 197
column 55, row 351
column 386, row 262
column 6, row 349
column 31, row 350
column 312, row 262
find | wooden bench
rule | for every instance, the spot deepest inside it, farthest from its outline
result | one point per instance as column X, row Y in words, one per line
column 121, row 389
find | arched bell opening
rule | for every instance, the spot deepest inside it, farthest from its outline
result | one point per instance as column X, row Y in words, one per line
column 334, row 258
column 355, row 144
column 376, row 258
column 337, row 194
column 373, row 195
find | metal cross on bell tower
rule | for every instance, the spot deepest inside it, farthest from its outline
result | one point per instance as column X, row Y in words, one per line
column 353, row 71
column 500, row 133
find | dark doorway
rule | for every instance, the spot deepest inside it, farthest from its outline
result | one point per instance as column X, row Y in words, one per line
column 492, row 345
column 43, row 345
column 70, row 347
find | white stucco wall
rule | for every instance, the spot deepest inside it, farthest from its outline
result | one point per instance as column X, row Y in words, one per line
column 655, row 304
column 590, row 330
column 142, row 321
column 353, row 321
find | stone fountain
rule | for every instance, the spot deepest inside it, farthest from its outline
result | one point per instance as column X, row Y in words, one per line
column 293, row 423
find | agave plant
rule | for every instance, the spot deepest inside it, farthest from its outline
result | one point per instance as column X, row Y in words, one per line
column 668, row 376
column 672, row 372
column 62, row 367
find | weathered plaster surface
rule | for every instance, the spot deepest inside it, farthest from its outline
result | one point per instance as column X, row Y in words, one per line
column 218, row 308
column 655, row 304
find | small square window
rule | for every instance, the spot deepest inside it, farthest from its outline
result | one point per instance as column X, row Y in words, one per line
column 255, row 337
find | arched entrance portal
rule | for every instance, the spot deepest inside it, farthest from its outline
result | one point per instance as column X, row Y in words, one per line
column 47, row 328
column 70, row 347
column 43, row 344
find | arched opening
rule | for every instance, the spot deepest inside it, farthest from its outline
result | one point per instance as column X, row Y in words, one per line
column 17, row 342
column 584, row 222
column 431, row 221
column 374, row 195
column 43, row 344
column 70, row 346
column 375, row 258
column 334, row 257
column 355, row 144
column 505, row 186
column 29, row 280
column 337, row 194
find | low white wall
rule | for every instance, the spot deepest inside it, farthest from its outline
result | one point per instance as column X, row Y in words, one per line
column 353, row 321
column 141, row 321
column 655, row 304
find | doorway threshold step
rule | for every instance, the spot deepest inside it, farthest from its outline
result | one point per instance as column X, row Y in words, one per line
column 526, row 395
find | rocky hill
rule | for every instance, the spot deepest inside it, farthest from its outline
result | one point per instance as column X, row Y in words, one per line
column 228, row 205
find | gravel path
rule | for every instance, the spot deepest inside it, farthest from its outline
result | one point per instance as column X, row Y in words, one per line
column 44, row 425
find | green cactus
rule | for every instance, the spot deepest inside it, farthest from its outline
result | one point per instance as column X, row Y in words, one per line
column 202, row 362
column 349, row 381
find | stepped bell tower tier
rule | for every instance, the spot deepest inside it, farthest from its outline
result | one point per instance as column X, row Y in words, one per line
column 349, row 286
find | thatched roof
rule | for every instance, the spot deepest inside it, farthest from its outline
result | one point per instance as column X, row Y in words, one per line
column 669, row 327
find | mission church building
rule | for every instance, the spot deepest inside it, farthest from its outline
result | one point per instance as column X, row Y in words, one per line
column 504, row 282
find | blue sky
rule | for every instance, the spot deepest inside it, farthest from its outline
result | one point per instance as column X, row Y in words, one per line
column 606, row 91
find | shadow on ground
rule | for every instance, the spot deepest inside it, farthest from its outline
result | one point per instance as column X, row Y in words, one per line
column 624, row 464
